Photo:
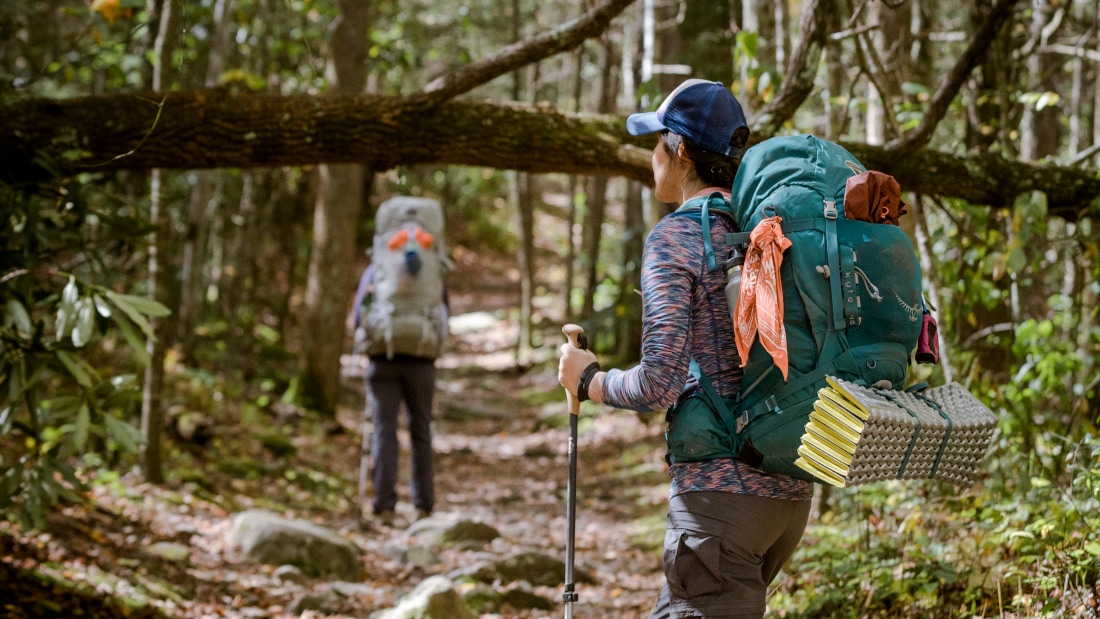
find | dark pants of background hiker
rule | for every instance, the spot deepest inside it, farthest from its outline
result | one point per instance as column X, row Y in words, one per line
column 722, row 550
column 389, row 382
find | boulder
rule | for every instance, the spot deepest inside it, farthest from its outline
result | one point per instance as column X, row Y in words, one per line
column 266, row 537
column 434, row 598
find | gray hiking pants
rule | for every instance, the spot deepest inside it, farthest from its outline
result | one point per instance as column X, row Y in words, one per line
column 722, row 550
column 389, row 382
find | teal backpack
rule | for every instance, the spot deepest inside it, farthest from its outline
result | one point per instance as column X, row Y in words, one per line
column 852, row 305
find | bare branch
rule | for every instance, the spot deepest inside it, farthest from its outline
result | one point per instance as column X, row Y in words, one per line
column 1070, row 50
column 801, row 69
column 220, row 129
column 875, row 71
column 947, row 92
column 1084, row 155
column 852, row 32
column 521, row 53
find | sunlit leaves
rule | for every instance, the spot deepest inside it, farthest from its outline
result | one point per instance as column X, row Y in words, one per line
column 1040, row 100
column 748, row 43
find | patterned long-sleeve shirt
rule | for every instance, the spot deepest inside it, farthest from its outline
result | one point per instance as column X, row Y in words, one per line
column 685, row 315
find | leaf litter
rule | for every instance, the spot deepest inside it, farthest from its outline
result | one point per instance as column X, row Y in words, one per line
column 500, row 459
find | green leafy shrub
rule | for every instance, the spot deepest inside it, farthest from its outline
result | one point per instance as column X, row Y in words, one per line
column 54, row 402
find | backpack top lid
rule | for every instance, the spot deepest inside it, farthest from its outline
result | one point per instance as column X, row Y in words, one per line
column 401, row 210
column 790, row 164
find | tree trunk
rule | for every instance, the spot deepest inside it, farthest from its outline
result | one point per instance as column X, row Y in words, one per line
column 526, row 192
column 884, row 68
column 1040, row 128
column 837, row 115
column 334, row 225
column 575, row 184
column 524, row 198
column 152, row 408
column 191, row 261
column 985, row 108
column 629, row 336
column 931, row 284
column 782, row 33
column 591, row 234
column 240, row 230
column 329, row 279
column 1096, row 87
column 750, row 23
column 194, row 241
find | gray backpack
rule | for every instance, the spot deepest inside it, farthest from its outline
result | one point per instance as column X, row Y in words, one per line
column 406, row 313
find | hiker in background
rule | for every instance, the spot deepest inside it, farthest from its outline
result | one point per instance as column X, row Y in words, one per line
column 730, row 526
column 400, row 311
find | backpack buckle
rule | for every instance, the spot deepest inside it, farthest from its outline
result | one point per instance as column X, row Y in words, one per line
column 742, row 421
column 767, row 405
column 830, row 209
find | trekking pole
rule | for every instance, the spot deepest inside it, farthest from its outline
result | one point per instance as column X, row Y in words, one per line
column 364, row 456
column 364, row 469
column 576, row 338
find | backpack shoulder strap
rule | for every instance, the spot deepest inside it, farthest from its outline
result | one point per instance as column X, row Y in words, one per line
column 714, row 203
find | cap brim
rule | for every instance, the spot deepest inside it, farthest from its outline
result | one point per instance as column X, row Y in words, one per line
column 643, row 124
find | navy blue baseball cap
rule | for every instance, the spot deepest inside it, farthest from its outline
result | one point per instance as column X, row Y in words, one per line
column 704, row 112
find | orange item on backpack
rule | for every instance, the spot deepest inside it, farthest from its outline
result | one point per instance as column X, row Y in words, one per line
column 401, row 237
column 760, row 304
column 875, row 197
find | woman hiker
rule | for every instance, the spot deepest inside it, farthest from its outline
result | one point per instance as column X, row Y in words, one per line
column 730, row 526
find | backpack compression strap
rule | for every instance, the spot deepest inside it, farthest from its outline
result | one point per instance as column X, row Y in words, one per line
column 842, row 364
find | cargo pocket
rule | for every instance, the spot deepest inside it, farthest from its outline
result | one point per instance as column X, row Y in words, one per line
column 691, row 563
column 876, row 363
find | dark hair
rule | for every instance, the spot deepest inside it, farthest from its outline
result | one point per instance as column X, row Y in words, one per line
column 713, row 169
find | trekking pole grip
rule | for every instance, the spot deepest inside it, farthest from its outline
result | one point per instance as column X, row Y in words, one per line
column 577, row 339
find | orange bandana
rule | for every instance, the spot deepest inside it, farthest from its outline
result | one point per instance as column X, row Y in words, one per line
column 760, row 302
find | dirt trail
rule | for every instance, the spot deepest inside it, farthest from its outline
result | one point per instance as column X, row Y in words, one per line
column 500, row 437
column 501, row 442
column 502, row 459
